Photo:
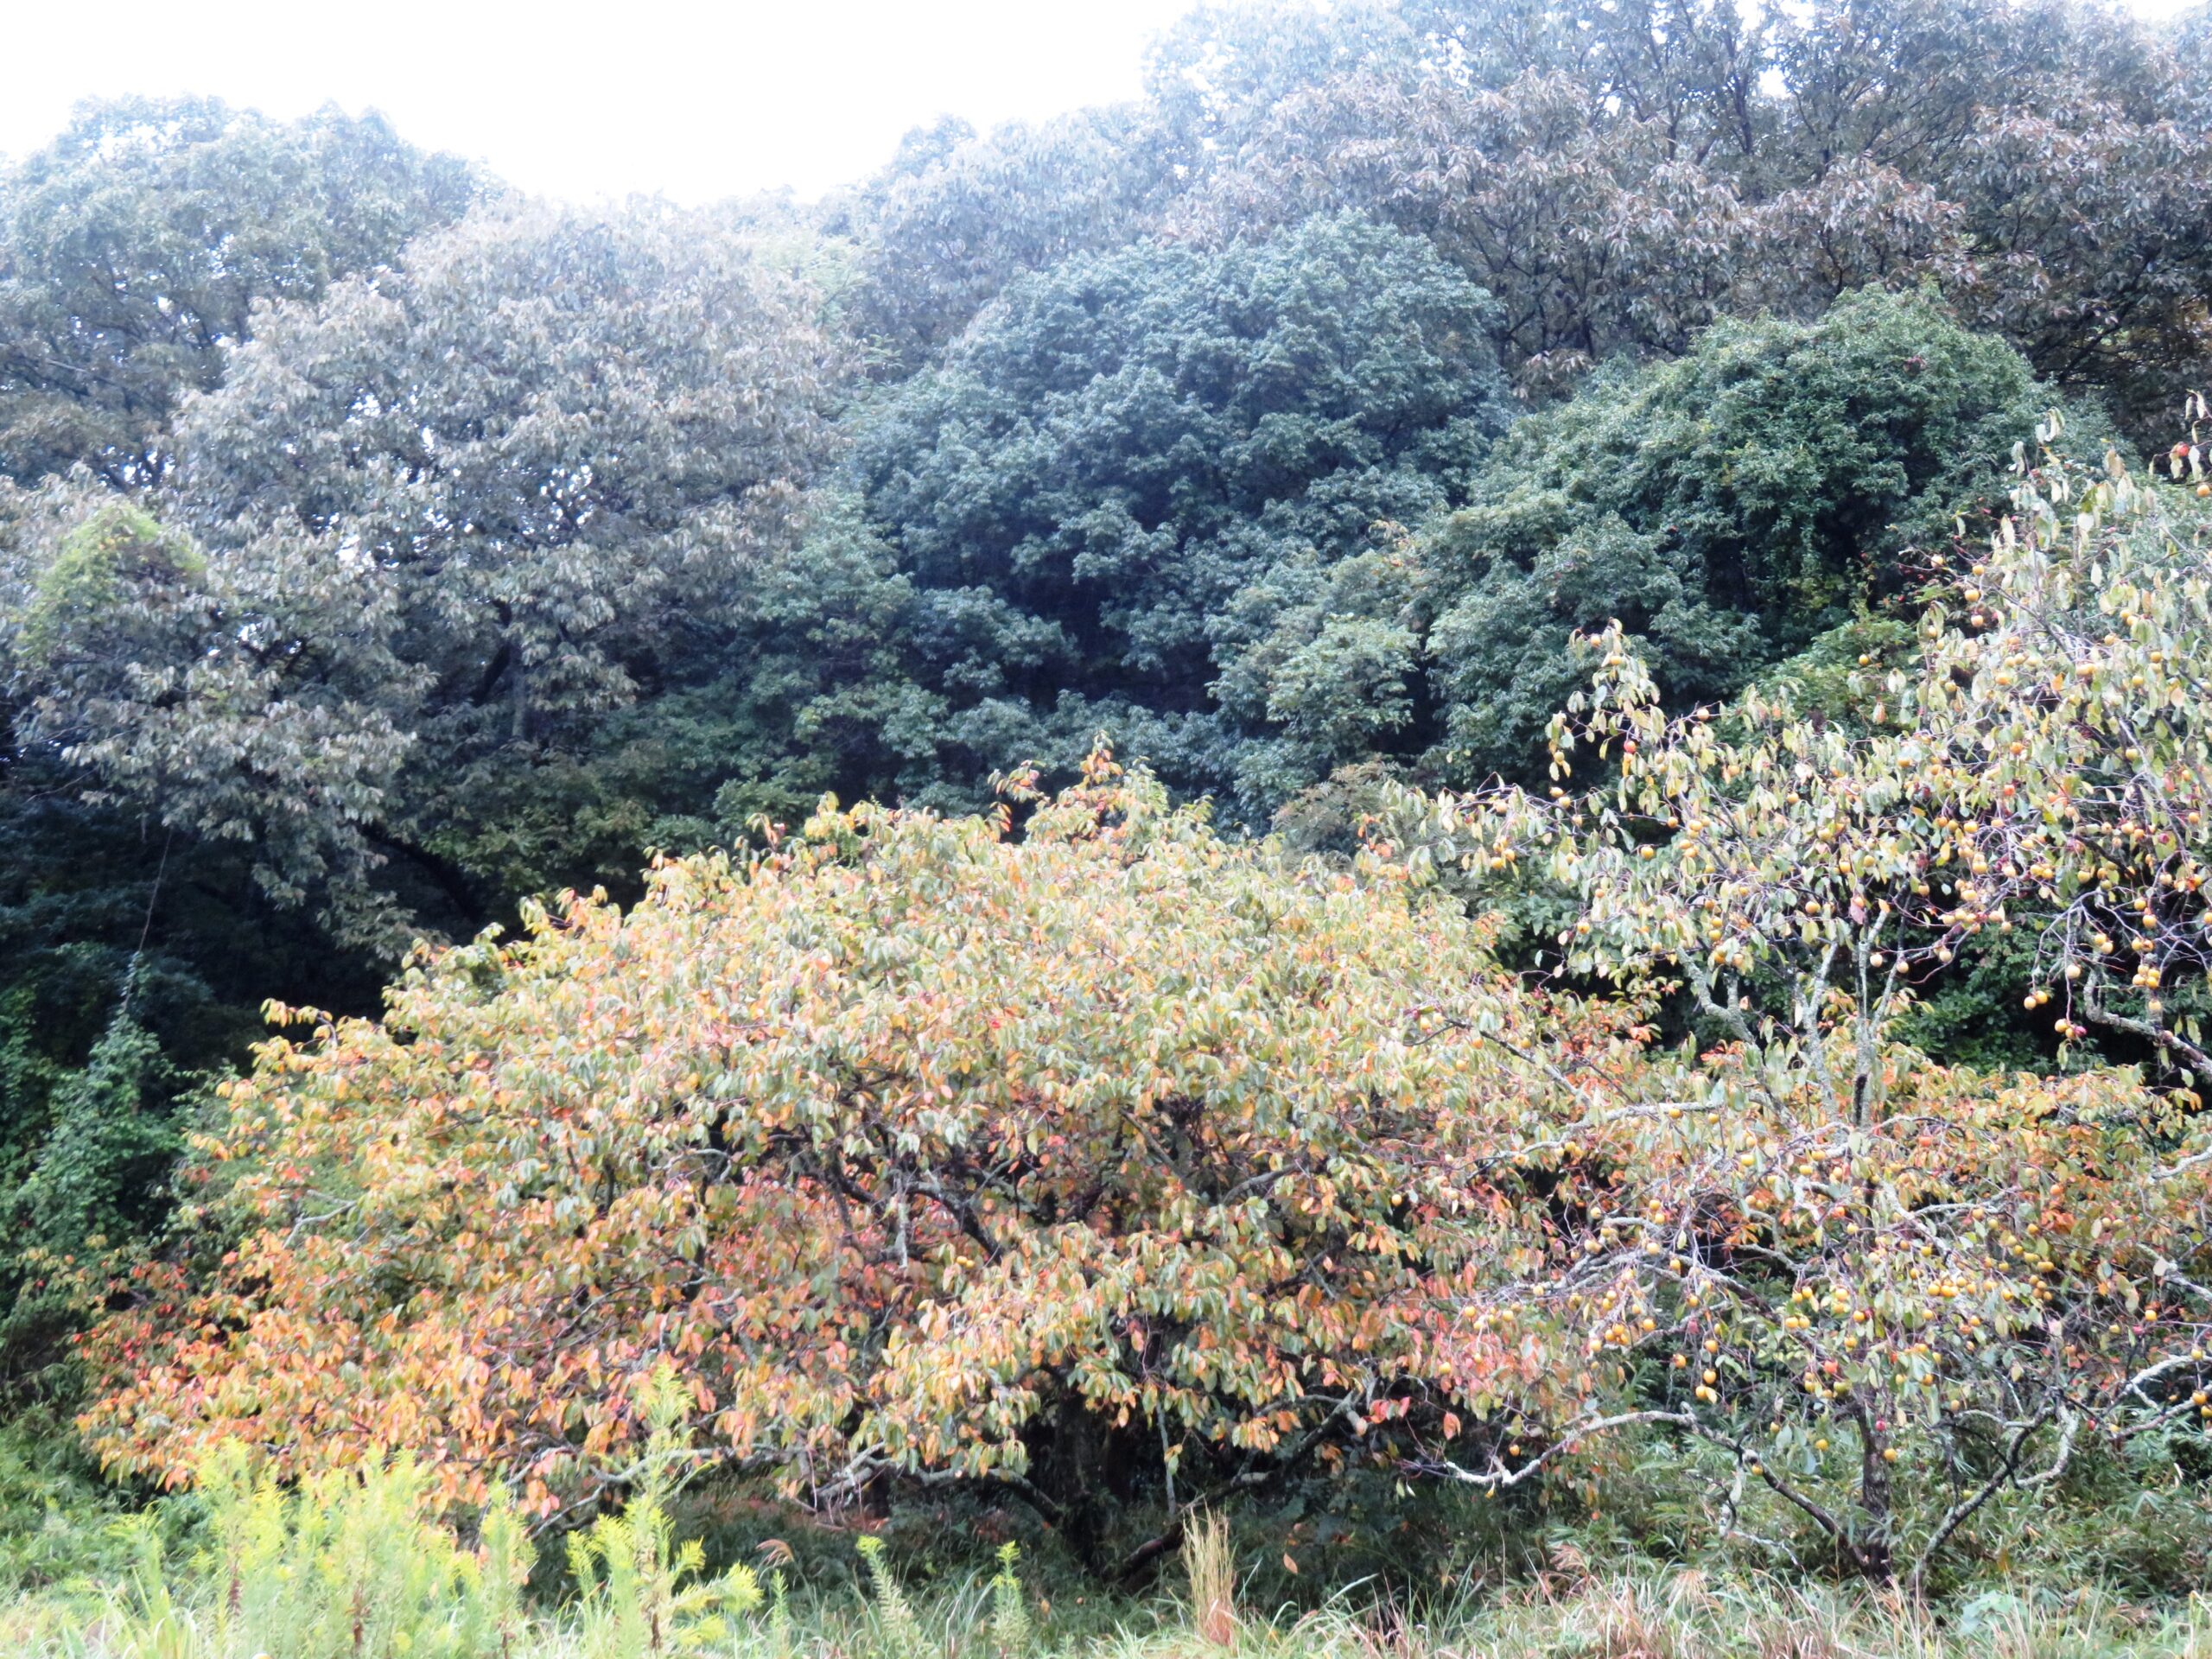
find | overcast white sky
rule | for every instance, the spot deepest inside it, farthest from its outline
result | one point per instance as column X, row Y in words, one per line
column 688, row 98
column 692, row 98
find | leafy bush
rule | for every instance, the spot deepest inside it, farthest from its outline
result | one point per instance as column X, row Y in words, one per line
column 1115, row 1155
column 57, row 1518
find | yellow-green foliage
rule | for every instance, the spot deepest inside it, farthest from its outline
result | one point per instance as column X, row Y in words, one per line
column 347, row 1565
column 1012, row 1632
column 350, row 1567
column 642, row 1592
column 1567, row 1614
column 85, row 581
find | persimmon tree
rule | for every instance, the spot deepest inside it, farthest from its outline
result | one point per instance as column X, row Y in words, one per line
column 1880, row 1328
column 2038, row 762
column 1893, row 1291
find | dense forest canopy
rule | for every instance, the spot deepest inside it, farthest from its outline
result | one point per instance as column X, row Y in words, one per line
column 1093, row 489
column 138, row 244
column 386, row 557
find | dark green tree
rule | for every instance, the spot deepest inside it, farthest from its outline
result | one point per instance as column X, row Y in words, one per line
column 1727, row 507
column 1118, row 449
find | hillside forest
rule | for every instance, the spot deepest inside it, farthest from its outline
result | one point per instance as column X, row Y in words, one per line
column 1433, row 810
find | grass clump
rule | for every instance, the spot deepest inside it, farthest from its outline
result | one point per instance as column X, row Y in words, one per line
column 363, row 1565
column 351, row 1570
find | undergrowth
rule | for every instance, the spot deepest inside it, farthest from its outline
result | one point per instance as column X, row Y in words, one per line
column 360, row 1566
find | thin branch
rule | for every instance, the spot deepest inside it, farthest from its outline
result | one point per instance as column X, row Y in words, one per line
column 1966, row 1508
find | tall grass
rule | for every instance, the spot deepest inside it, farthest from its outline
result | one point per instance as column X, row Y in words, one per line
column 1211, row 1566
column 358, row 1567
column 353, row 1569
